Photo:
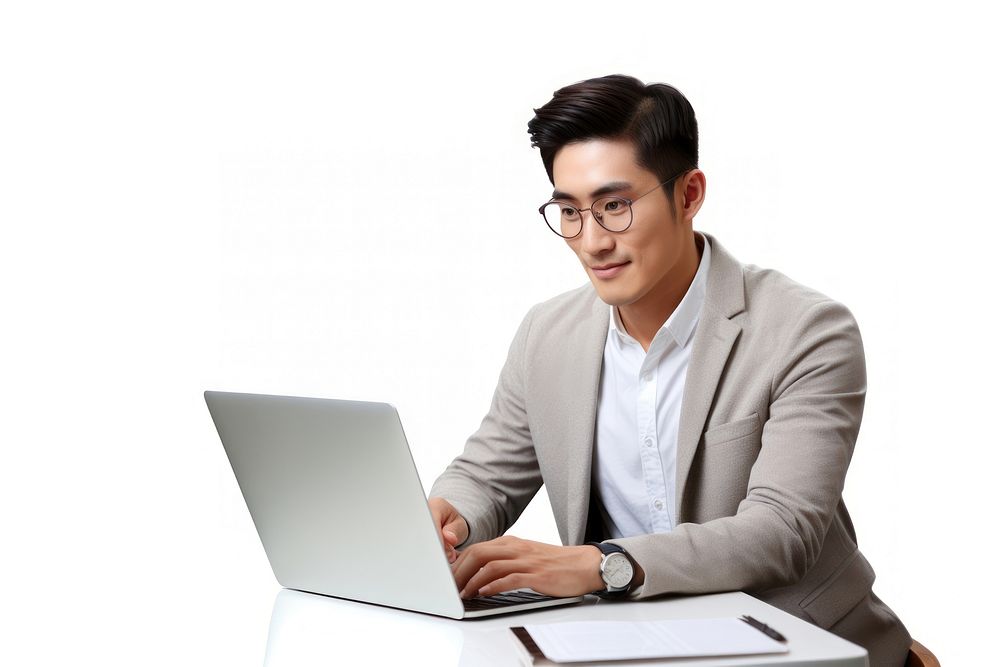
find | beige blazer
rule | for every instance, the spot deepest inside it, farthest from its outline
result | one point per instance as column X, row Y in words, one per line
column 770, row 413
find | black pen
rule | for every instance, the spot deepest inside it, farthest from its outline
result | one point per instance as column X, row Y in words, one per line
column 763, row 627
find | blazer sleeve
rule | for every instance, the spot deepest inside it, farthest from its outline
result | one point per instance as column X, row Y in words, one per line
column 817, row 399
column 497, row 474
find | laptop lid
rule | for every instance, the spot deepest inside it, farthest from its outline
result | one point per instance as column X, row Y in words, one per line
column 336, row 499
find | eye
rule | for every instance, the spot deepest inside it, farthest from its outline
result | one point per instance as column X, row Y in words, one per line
column 568, row 211
column 615, row 206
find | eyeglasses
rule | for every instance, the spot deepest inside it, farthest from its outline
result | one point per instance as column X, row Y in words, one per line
column 612, row 213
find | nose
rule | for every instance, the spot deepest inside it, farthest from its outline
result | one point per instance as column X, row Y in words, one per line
column 594, row 239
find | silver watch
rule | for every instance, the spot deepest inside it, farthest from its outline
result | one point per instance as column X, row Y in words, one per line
column 617, row 571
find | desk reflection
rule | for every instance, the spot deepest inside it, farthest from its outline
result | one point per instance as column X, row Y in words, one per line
column 308, row 629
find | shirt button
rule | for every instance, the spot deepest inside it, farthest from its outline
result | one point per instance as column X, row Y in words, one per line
column 658, row 504
column 649, row 442
column 646, row 377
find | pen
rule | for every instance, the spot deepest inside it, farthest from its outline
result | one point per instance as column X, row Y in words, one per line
column 763, row 627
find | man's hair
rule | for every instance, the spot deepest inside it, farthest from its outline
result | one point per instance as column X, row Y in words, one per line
column 657, row 118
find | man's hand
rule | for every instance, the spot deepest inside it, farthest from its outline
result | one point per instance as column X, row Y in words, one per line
column 507, row 563
column 452, row 527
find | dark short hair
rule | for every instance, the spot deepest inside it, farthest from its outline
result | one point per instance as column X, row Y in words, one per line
column 657, row 118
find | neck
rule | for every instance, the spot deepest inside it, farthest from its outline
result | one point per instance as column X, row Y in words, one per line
column 644, row 318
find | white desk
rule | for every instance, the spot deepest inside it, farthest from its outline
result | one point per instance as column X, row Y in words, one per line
column 310, row 629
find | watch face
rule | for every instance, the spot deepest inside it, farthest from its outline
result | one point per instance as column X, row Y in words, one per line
column 617, row 571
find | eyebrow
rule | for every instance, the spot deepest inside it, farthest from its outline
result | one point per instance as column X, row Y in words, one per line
column 614, row 186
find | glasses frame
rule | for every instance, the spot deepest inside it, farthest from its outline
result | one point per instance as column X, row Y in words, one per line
column 628, row 202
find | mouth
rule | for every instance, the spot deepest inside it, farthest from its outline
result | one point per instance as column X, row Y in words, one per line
column 607, row 271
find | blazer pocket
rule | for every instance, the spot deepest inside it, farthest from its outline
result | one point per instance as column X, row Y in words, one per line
column 842, row 591
column 731, row 431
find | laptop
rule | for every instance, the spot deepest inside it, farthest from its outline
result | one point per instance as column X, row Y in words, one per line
column 338, row 505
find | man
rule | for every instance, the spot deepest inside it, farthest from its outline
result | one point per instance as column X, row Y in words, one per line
column 691, row 417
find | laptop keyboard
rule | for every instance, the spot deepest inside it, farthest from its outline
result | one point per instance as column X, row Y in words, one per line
column 504, row 600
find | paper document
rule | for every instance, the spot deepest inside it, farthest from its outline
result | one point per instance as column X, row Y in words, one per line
column 583, row 641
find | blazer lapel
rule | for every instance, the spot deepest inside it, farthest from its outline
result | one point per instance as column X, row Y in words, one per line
column 713, row 341
column 585, row 388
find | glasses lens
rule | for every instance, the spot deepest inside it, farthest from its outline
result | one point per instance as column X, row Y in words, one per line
column 614, row 213
column 562, row 218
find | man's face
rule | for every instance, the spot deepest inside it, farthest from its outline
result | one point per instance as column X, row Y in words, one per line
column 642, row 261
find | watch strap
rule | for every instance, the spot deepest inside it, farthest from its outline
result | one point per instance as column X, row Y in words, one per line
column 607, row 548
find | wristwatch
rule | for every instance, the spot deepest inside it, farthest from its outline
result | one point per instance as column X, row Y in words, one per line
column 617, row 570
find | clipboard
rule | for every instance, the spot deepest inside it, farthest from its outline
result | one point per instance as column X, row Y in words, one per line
column 584, row 642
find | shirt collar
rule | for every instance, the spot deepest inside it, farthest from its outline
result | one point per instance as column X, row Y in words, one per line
column 682, row 322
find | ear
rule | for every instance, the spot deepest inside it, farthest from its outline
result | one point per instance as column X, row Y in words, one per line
column 691, row 194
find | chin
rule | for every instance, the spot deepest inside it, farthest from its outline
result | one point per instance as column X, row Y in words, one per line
column 612, row 296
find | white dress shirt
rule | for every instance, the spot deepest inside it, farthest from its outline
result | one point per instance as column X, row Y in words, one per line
column 638, row 415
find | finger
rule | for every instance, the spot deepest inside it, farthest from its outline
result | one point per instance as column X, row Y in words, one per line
column 510, row 582
column 459, row 528
column 477, row 556
column 448, row 543
column 490, row 573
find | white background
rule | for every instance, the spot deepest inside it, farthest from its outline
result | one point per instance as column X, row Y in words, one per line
column 292, row 198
